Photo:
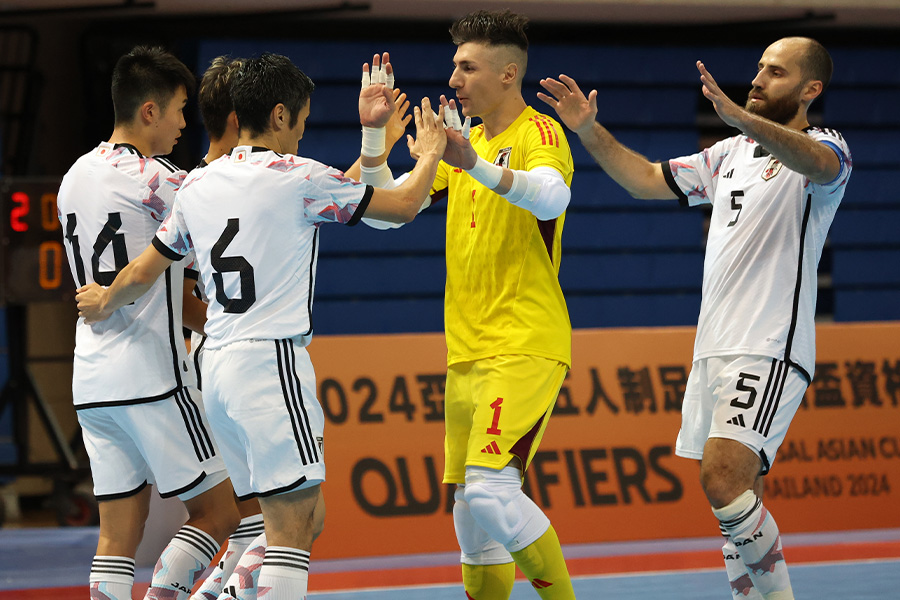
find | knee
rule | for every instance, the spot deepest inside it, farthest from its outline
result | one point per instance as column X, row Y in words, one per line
column 490, row 504
column 215, row 512
column 318, row 523
column 721, row 485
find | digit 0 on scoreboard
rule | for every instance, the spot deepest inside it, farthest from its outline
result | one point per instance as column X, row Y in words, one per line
column 33, row 265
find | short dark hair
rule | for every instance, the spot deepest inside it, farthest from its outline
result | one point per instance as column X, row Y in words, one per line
column 816, row 63
column 262, row 83
column 214, row 95
column 147, row 73
column 494, row 28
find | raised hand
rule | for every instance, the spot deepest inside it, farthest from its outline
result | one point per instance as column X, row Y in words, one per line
column 430, row 134
column 459, row 152
column 376, row 99
column 574, row 109
column 727, row 110
column 396, row 125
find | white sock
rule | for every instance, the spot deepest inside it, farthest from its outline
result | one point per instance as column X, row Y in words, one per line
column 284, row 574
column 241, row 584
column 181, row 564
column 112, row 577
column 742, row 587
column 249, row 529
column 755, row 534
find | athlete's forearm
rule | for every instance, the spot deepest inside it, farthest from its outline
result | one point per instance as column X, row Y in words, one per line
column 193, row 311
column 418, row 185
column 796, row 150
column 631, row 170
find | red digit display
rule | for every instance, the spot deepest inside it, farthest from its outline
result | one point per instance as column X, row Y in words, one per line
column 33, row 262
column 20, row 211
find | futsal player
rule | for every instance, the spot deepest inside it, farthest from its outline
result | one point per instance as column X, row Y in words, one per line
column 220, row 121
column 254, row 220
column 507, row 326
column 141, row 415
column 774, row 191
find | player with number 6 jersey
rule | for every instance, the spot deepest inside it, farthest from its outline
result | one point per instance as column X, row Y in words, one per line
column 254, row 218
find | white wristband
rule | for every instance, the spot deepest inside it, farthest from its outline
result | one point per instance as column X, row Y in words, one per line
column 486, row 174
column 380, row 176
column 372, row 142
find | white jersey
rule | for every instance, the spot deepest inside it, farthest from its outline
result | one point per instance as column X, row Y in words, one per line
column 110, row 204
column 765, row 239
column 253, row 220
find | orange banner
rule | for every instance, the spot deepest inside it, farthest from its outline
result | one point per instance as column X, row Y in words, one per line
column 606, row 469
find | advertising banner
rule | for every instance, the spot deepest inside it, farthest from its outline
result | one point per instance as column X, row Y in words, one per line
column 606, row 469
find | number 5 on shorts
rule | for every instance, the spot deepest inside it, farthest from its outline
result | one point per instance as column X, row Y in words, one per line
column 743, row 387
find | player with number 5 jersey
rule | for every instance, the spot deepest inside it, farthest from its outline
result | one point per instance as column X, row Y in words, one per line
column 774, row 191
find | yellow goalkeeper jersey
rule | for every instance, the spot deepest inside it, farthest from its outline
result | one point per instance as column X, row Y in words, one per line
column 502, row 294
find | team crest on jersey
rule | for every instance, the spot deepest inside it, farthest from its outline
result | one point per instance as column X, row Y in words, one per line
column 502, row 159
column 772, row 169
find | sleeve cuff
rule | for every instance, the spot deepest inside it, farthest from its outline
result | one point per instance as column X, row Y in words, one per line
column 363, row 205
column 165, row 250
column 670, row 179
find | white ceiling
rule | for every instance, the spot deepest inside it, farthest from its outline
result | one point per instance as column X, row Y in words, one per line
column 844, row 13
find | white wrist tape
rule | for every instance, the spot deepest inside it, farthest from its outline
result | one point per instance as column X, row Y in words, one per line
column 372, row 141
column 380, row 176
column 542, row 192
column 486, row 174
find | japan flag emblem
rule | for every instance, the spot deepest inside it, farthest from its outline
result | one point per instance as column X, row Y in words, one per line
column 772, row 169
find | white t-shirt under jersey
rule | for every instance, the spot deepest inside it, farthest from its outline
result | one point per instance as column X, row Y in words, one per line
column 766, row 235
column 253, row 219
column 111, row 203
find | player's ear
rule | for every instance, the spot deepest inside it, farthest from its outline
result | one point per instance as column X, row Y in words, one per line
column 812, row 90
column 279, row 117
column 148, row 112
column 510, row 73
column 232, row 120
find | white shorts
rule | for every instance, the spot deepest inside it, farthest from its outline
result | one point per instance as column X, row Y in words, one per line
column 195, row 356
column 261, row 402
column 167, row 442
column 749, row 399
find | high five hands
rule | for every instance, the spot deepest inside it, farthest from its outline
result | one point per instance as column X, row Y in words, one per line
column 575, row 110
column 377, row 101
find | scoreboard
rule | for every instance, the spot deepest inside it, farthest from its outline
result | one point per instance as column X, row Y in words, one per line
column 32, row 256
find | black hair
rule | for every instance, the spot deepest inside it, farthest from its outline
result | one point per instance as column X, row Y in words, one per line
column 495, row 28
column 147, row 73
column 214, row 96
column 262, row 83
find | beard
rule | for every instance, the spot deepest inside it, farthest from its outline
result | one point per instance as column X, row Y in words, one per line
column 781, row 110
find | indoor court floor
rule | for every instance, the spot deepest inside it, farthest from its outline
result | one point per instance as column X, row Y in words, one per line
column 45, row 563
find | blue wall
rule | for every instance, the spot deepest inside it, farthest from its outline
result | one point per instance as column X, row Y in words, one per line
column 625, row 262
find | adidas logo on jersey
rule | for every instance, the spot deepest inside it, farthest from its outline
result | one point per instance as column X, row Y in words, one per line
column 736, row 420
column 491, row 448
column 728, row 175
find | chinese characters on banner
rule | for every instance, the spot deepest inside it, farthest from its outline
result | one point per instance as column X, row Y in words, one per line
column 606, row 469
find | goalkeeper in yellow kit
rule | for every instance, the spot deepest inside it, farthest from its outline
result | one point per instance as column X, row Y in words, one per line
column 506, row 183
